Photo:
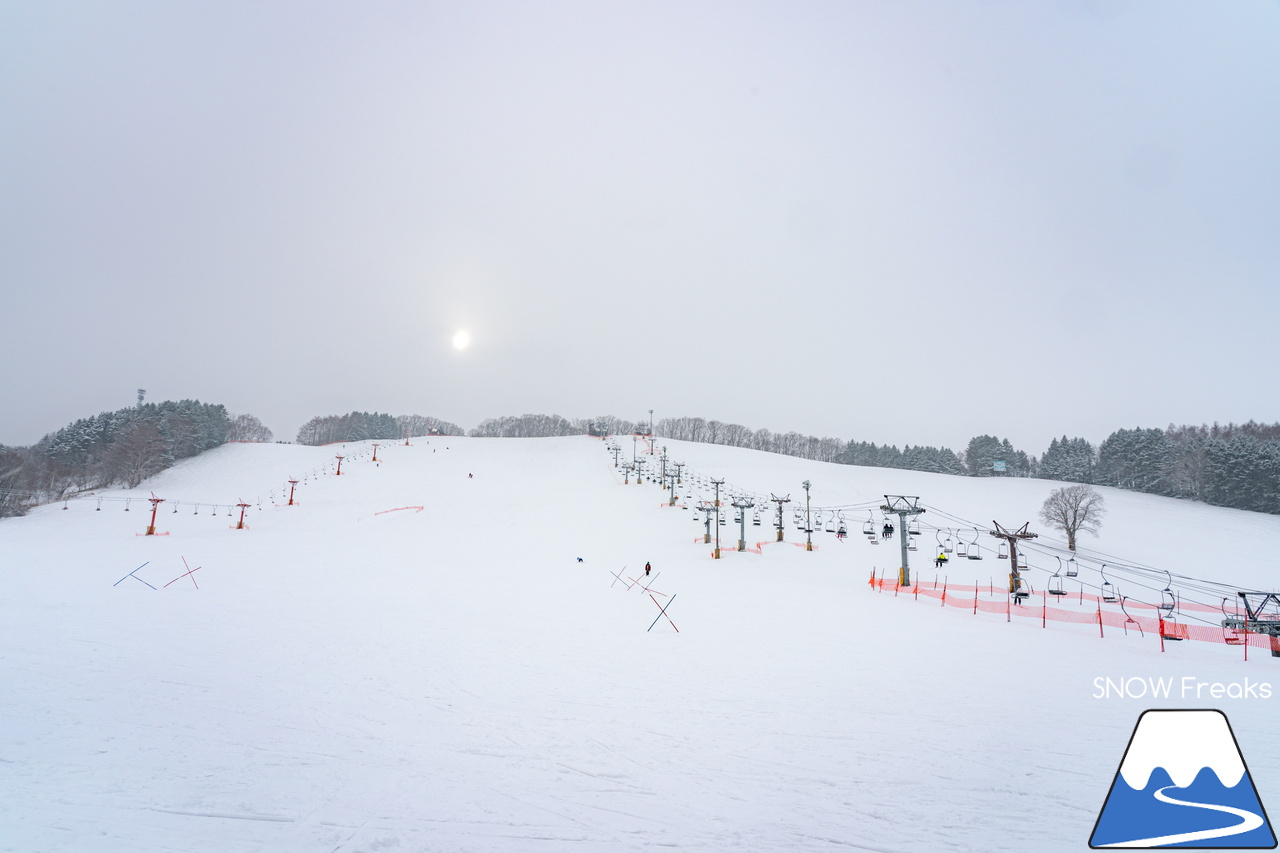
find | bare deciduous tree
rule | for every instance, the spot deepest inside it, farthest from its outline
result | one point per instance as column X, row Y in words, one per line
column 1072, row 509
column 248, row 428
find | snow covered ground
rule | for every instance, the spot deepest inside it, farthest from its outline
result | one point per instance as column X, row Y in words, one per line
column 350, row 679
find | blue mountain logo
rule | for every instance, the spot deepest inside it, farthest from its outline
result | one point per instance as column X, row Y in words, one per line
column 1183, row 783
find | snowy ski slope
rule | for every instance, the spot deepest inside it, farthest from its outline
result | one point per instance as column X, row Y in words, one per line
column 350, row 679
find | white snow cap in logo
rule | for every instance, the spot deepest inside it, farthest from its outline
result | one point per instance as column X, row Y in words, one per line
column 1183, row 743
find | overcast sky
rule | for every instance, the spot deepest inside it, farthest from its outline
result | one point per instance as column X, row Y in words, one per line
column 906, row 223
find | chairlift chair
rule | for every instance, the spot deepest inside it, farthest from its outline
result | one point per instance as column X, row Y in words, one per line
column 975, row 550
column 913, row 528
column 943, row 546
column 911, row 544
column 1022, row 562
column 869, row 526
column 755, row 519
column 1003, row 551
column 831, row 524
column 1019, row 587
column 1168, row 601
column 1172, row 629
column 962, row 549
column 1055, row 582
column 1072, row 569
column 1109, row 593
column 1231, row 636
column 1129, row 619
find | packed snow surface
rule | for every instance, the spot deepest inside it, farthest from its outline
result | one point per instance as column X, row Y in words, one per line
column 356, row 674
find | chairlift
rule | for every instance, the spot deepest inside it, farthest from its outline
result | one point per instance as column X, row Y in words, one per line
column 911, row 544
column 842, row 530
column 1055, row 582
column 944, row 546
column 175, row 505
column 869, row 527
column 1128, row 620
column 831, row 524
column 1172, row 629
column 913, row 528
column 962, row 547
column 1002, row 552
column 1109, row 593
column 1022, row 562
column 1072, row 569
column 975, row 550
column 1230, row 635
column 755, row 518
column 1019, row 587
column 1168, row 601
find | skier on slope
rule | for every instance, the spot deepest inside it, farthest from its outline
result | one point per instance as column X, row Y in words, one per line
column 647, row 567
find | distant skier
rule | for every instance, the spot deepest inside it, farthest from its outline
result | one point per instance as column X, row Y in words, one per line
column 647, row 567
column 579, row 559
column 471, row 476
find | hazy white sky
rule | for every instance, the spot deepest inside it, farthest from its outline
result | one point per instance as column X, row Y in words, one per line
column 890, row 221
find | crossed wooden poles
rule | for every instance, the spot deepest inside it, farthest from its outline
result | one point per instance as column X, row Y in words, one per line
column 648, row 590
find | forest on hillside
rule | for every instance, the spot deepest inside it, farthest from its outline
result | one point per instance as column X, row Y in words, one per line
column 1236, row 465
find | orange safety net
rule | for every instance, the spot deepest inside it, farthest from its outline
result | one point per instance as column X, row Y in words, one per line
column 1080, row 608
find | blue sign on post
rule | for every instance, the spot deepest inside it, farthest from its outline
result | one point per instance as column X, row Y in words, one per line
column 998, row 465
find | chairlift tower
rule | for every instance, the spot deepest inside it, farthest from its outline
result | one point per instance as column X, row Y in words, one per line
column 679, row 466
column 706, row 508
column 780, row 501
column 903, row 506
column 742, row 504
column 1013, row 537
column 808, row 522
column 717, row 484
column 662, row 480
column 1262, row 616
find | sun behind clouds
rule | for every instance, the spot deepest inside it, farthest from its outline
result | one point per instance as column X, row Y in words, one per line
column 461, row 339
